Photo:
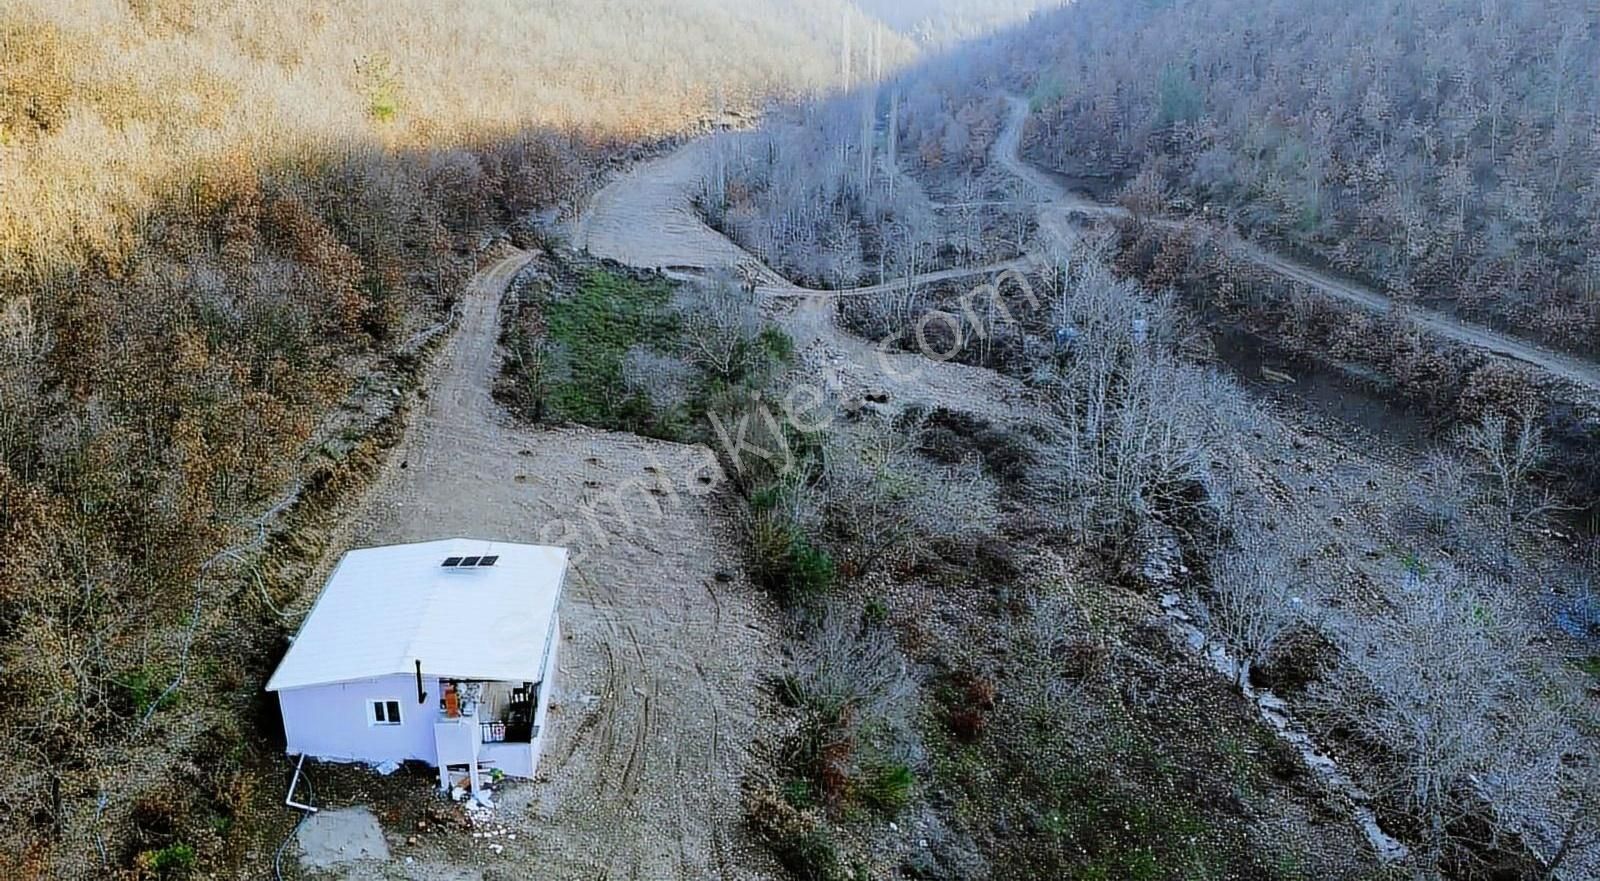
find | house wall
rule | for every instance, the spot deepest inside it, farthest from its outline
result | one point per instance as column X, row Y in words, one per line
column 546, row 686
column 334, row 722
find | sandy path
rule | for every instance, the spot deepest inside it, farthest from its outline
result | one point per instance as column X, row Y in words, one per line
column 1057, row 202
column 659, row 665
column 645, row 218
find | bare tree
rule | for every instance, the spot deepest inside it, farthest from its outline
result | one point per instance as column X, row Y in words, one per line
column 848, row 672
column 720, row 327
column 1431, row 682
column 1508, row 454
column 1138, row 423
column 1257, row 595
column 1546, row 786
column 859, row 698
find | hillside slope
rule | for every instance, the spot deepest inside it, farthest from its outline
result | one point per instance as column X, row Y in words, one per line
column 228, row 231
column 103, row 102
column 1443, row 150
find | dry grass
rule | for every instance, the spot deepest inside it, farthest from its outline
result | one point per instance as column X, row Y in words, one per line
column 103, row 103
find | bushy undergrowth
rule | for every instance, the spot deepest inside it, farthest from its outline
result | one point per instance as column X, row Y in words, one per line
column 156, row 398
column 632, row 351
column 1100, row 773
column 850, row 755
column 590, row 334
column 104, row 103
column 798, row 836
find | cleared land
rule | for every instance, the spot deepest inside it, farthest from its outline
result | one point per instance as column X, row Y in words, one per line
column 657, row 689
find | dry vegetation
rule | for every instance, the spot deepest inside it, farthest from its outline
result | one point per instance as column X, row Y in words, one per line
column 1444, row 150
column 228, row 232
column 103, row 104
column 224, row 221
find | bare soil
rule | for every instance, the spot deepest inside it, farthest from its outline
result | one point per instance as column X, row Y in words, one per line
column 659, row 667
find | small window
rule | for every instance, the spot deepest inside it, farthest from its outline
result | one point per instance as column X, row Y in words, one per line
column 386, row 712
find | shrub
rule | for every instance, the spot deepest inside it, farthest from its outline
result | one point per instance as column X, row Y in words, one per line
column 854, row 695
column 171, row 861
column 800, row 839
column 145, row 687
column 886, row 788
column 786, row 562
column 968, row 699
column 875, row 613
column 811, row 569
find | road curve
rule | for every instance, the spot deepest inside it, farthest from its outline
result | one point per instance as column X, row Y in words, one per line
column 1055, row 199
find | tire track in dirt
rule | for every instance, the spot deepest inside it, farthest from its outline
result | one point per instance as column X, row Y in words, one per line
column 653, row 679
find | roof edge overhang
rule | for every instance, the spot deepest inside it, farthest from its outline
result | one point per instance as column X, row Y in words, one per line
column 496, row 676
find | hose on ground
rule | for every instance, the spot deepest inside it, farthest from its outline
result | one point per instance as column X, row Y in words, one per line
column 277, row 857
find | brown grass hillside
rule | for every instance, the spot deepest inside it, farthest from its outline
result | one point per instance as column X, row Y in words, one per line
column 102, row 101
column 222, row 225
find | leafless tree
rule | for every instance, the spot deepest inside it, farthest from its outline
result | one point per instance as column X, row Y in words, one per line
column 1545, row 787
column 22, row 372
column 1257, row 595
column 1508, row 454
column 720, row 326
column 853, row 683
column 841, row 667
column 1431, row 681
column 1137, row 422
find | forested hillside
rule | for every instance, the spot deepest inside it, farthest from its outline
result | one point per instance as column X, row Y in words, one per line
column 102, row 103
column 948, row 22
column 1445, row 150
column 228, row 232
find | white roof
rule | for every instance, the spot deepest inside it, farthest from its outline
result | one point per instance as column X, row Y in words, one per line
column 384, row 609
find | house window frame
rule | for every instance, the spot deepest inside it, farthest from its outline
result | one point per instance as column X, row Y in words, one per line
column 373, row 704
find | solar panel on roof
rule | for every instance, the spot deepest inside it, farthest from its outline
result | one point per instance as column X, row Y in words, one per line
column 451, row 561
column 469, row 561
column 488, row 561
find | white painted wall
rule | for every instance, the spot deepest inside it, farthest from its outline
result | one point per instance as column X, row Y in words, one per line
column 545, row 689
column 334, row 722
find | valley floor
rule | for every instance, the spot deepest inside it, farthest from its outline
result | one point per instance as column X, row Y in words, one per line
column 661, row 697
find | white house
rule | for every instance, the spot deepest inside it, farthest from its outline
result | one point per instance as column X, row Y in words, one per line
column 443, row 652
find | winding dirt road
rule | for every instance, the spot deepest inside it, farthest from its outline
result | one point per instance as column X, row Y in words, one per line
column 660, row 663
column 1056, row 201
column 646, row 218
column 663, row 654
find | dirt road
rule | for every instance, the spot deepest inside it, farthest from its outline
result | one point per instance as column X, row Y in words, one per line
column 658, row 680
column 645, row 218
column 1056, row 201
